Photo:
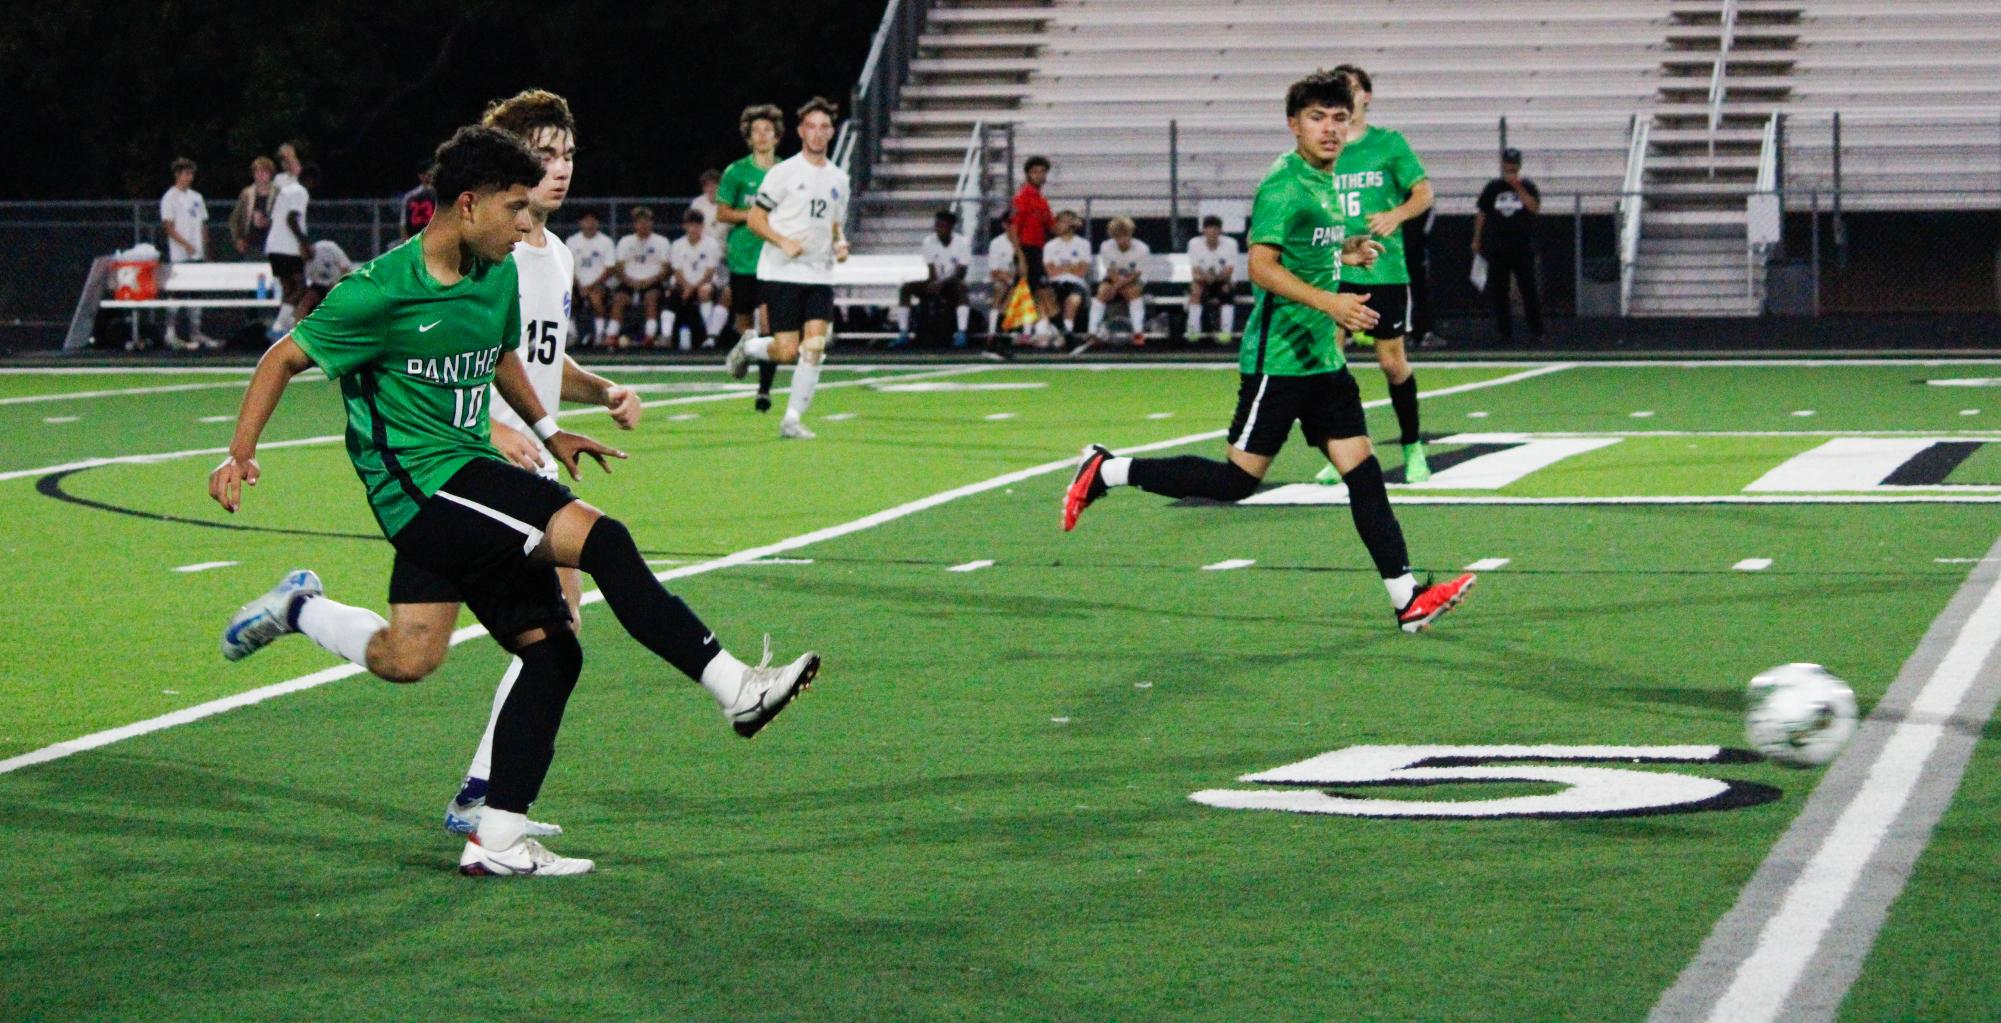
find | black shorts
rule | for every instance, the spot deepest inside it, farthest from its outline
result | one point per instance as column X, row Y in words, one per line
column 1327, row 406
column 1038, row 276
column 744, row 298
column 283, row 266
column 1219, row 293
column 1392, row 305
column 1066, row 288
column 792, row 306
column 475, row 550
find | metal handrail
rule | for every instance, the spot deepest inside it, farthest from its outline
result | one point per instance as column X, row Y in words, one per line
column 1630, row 206
column 1716, row 77
column 969, row 190
column 1768, row 158
column 875, row 48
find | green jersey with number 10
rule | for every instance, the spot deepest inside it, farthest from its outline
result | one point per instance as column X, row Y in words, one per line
column 1295, row 212
column 414, row 358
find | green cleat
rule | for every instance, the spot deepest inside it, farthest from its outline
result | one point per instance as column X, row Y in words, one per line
column 1414, row 468
column 1328, row 475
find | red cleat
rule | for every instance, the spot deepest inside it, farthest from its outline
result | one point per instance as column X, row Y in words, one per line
column 1430, row 601
column 1085, row 487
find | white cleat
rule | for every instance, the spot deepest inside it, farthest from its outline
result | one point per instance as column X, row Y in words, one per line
column 463, row 819
column 738, row 360
column 526, row 858
column 269, row 616
column 767, row 690
column 793, row 429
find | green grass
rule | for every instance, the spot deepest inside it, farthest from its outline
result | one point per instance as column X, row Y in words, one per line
column 982, row 811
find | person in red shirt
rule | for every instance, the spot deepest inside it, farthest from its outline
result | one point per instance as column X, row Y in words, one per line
column 1030, row 229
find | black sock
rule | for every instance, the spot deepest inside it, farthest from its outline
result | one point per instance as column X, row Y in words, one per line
column 524, row 736
column 1403, row 398
column 1189, row 476
column 1369, row 502
column 767, row 371
column 656, row 618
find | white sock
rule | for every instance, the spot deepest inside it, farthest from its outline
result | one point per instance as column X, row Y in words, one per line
column 601, row 328
column 1136, row 311
column 1228, row 316
column 758, row 348
column 1114, row 471
column 1043, row 328
column 287, row 315
column 667, row 324
column 1402, row 589
column 902, row 315
column 1097, row 315
column 714, row 319
column 500, row 829
column 614, row 327
column 805, row 377
column 963, row 314
column 482, row 759
column 652, row 329
column 687, row 339
column 340, row 628
column 993, row 321
column 723, row 678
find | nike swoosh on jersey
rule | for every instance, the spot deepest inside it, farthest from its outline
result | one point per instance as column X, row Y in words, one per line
column 428, row 326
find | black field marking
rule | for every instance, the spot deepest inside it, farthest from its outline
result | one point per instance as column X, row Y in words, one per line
column 1447, row 459
column 1932, row 465
column 52, row 486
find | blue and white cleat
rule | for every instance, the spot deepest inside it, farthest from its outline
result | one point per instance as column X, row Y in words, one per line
column 269, row 616
column 463, row 812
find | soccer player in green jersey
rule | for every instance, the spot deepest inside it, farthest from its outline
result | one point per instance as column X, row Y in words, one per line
column 415, row 338
column 1290, row 361
column 735, row 196
column 1381, row 184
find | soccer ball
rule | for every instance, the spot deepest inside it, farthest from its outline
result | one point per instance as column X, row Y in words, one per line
column 1799, row 715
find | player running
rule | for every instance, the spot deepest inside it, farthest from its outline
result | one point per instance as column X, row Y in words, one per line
column 800, row 207
column 1292, row 366
column 547, row 269
column 417, row 339
column 1381, row 185
column 735, row 195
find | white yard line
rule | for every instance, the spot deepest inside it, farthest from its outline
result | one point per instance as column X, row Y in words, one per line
column 972, row 566
column 1753, row 565
column 203, row 566
column 1230, row 565
column 29, row 399
column 1487, row 564
column 746, row 556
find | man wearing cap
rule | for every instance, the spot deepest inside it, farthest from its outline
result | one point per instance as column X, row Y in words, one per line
column 1504, row 233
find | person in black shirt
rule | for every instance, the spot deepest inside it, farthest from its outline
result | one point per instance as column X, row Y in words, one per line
column 1504, row 233
column 419, row 203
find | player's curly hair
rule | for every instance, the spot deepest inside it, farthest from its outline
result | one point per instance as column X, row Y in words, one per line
column 1356, row 76
column 482, row 158
column 760, row 112
column 529, row 111
column 819, row 105
column 180, row 165
column 1322, row 88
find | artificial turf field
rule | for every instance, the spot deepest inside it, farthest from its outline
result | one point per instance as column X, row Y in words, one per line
column 982, row 810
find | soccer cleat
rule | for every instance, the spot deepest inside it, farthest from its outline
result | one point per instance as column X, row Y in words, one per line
column 1415, row 470
column 958, row 339
column 1086, row 486
column 793, row 429
column 767, row 690
column 738, row 360
column 262, row 620
column 1328, row 475
column 763, row 402
column 526, row 858
column 463, row 812
column 1430, row 601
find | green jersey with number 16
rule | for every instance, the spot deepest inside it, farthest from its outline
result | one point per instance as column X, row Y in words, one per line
column 1374, row 174
column 414, row 358
column 1295, row 212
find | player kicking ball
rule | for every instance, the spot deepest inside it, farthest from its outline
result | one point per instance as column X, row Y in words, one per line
column 417, row 339
column 1291, row 364
column 801, row 204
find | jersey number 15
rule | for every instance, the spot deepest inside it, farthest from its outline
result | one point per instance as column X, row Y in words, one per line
column 540, row 341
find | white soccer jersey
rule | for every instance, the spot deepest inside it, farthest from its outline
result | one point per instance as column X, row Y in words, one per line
column 947, row 258
column 594, row 256
column 1071, row 251
column 641, row 258
column 1126, row 261
column 1210, row 262
column 693, row 259
column 328, row 263
column 804, row 202
column 184, row 208
column 281, row 241
column 546, row 274
column 1000, row 255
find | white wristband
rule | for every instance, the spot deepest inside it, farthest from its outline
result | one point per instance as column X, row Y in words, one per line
column 545, row 427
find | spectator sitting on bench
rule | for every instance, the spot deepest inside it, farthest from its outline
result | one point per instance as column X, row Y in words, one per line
column 1212, row 269
column 1000, row 272
column 1068, row 257
column 642, row 272
column 1122, row 258
column 595, row 259
column 691, row 297
column 947, row 256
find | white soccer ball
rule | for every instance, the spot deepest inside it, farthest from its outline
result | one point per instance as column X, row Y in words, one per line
column 1799, row 715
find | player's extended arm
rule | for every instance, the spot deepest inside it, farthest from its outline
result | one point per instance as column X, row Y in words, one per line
column 840, row 243
column 1268, row 272
column 759, row 222
column 511, row 380
column 298, row 231
column 580, row 384
column 1421, row 197
column 279, row 365
column 731, row 215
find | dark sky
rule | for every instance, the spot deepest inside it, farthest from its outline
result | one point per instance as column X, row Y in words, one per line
column 98, row 97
